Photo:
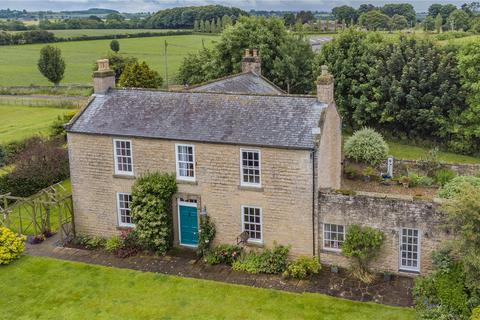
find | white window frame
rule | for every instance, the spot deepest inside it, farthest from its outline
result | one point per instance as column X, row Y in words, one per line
column 249, row 184
column 324, row 239
column 252, row 240
column 419, row 246
column 178, row 164
column 119, row 214
column 115, row 156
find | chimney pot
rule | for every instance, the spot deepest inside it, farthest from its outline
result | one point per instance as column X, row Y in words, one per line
column 252, row 63
column 103, row 78
column 325, row 86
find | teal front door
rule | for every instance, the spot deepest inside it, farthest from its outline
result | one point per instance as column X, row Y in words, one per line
column 188, row 223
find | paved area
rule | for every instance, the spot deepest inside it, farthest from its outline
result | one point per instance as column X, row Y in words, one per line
column 396, row 292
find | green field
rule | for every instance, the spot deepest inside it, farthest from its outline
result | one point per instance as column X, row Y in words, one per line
column 44, row 288
column 18, row 64
column 19, row 122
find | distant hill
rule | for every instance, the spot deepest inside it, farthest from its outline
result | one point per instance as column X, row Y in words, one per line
column 184, row 17
column 93, row 11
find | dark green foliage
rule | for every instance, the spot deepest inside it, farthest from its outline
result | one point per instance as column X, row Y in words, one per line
column 302, row 268
column 223, row 254
column 269, row 36
column 51, row 64
column 206, row 235
column 398, row 22
column 152, row 210
column 184, row 17
column 115, row 46
column 374, row 20
column 442, row 294
column 33, row 36
column 270, row 261
column 405, row 10
column 41, row 163
column 345, row 13
column 139, row 75
column 10, row 150
column 292, row 68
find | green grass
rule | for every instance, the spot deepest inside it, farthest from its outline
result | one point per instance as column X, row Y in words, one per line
column 19, row 122
column 25, row 211
column 407, row 152
column 44, row 288
column 102, row 32
column 462, row 41
column 18, row 64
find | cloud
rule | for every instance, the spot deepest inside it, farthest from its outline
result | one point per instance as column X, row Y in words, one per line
column 154, row 5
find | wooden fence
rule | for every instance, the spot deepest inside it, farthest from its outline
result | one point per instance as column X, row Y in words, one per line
column 50, row 210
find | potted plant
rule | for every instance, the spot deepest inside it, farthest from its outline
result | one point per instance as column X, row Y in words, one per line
column 405, row 181
column 387, row 276
column 368, row 173
column 334, row 268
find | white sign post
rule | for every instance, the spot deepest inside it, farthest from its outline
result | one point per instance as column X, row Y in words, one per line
column 390, row 167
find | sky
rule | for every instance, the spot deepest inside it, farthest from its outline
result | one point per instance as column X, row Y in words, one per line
column 155, row 5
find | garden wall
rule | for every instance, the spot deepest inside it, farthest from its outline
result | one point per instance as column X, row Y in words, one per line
column 415, row 165
column 388, row 213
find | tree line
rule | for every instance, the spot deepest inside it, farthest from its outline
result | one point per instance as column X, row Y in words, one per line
column 212, row 26
column 412, row 87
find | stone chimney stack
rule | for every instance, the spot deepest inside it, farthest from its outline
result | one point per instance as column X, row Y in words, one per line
column 251, row 62
column 103, row 78
column 325, row 86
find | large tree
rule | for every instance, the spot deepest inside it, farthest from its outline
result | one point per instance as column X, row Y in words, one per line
column 402, row 9
column 458, row 20
column 51, row 64
column 374, row 20
column 268, row 35
column 345, row 13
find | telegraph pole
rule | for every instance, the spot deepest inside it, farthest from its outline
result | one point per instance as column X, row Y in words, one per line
column 166, row 62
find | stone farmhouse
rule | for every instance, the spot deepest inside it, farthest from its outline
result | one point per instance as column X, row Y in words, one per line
column 252, row 157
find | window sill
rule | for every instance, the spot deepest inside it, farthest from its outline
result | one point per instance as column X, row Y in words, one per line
column 190, row 182
column 336, row 252
column 250, row 188
column 124, row 176
column 409, row 271
column 125, row 228
column 255, row 244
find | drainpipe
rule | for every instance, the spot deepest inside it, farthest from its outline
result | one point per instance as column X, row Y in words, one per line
column 313, row 201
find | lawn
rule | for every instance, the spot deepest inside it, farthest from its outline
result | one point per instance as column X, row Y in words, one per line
column 408, row 152
column 19, row 122
column 18, row 64
column 24, row 214
column 44, row 288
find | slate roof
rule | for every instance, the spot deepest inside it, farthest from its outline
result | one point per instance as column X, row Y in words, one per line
column 257, row 120
column 248, row 82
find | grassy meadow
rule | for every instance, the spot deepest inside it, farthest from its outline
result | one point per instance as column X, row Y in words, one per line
column 45, row 288
column 101, row 32
column 18, row 64
column 20, row 122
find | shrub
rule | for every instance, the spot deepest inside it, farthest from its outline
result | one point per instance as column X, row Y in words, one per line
column 271, row 261
column 224, row 253
column 456, row 186
column 95, row 242
column 51, row 64
column 139, row 75
column 351, row 172
column 40, row 164
column 369, row 172
column 475, row 314
column 302, row 267
column 362, row 244
column 11, row 245
column 430, row 163
column 130, row 244
column 206, row 235
column 118, row 63
column 442, row 294
column 443, row 176
column 425, row 181
column 113, row 244
column 367, row 146
column 57, row 129
column 152, row 210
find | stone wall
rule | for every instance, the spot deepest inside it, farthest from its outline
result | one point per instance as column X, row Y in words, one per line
column 415, row 165
column 286, row 195
column 388, row 214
